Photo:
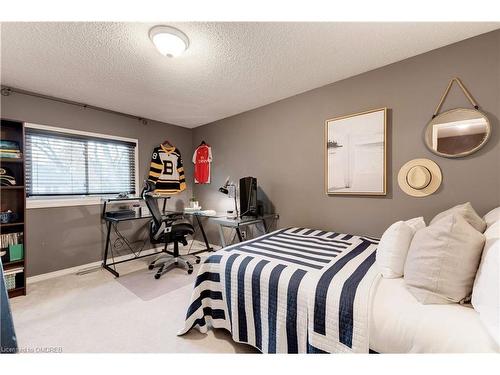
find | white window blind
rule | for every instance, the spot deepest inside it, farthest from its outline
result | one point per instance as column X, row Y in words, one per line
column 68, row 164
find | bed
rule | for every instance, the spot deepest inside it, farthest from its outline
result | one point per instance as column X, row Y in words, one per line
column 295, row 290
column 299, row 290
column 400, row 324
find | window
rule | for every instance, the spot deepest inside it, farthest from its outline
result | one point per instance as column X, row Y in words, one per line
column 75, row 163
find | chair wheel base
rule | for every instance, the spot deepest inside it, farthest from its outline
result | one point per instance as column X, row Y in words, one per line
column 165, row 263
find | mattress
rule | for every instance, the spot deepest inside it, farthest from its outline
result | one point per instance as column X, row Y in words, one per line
column 400, row 324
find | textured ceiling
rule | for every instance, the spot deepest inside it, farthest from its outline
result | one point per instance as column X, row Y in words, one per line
column 229, row 68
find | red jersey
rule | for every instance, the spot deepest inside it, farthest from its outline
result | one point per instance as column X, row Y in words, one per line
column 202, row 158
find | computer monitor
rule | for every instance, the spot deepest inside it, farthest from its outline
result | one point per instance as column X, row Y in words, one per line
column 248, row 196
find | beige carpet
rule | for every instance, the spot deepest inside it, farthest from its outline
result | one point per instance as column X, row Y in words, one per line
column 95, row 312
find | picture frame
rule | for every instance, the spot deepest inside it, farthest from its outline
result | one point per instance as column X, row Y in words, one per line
column 356, row 153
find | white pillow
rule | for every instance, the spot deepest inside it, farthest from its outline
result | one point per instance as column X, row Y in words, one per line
column 493, row 231
column 416, row 223
column 493, row 216
column 467, row 212
column 486, row 292
column 393, row 247
column 443, row 260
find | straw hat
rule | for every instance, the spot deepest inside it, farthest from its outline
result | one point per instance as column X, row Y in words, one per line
column 419, row 177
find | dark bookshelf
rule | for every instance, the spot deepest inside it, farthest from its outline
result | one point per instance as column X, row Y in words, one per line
column 10, row 160
column 14, row 198
column 20, row 187
column 13, row 224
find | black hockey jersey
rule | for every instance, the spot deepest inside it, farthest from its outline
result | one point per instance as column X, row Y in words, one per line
column 166, row 170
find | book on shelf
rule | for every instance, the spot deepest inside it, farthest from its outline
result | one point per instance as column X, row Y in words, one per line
column 14, row 271
column 7, row 239
column 10, row 155
column 10, row 150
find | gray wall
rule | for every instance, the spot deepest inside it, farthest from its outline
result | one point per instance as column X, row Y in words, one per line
column 59, row 238
column 282, row 143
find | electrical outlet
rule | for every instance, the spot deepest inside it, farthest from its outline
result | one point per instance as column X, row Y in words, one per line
column 244, row 234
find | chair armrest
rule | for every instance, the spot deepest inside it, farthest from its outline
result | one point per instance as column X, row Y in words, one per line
column 171, row 218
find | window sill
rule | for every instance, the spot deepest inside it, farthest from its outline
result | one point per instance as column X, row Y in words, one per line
column 32, row 203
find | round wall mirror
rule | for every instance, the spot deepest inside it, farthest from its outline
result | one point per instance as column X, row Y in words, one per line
column 458, row 132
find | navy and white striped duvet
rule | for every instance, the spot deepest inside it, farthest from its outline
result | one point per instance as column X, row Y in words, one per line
column 294, row 290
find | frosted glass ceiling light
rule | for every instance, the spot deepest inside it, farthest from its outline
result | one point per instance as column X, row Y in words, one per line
column 169, row 41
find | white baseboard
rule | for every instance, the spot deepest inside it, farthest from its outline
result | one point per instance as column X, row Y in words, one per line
column 81, row 268
column 89, row 267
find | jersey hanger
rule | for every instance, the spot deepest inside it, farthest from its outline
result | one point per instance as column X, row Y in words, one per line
column 166, row 143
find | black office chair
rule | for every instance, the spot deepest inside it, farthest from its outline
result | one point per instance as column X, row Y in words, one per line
column 166, row 229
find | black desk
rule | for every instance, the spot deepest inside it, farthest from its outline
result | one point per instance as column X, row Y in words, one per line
column 197, row 215
column 238, row 223
column 113, row 221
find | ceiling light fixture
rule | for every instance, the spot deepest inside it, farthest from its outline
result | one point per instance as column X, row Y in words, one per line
column 168, row 40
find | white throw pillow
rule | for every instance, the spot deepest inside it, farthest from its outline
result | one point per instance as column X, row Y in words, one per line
column 393, row 247
column 486, row 292
column 416, row 223
column 493, row 231
column 467, row 212
column 443, row 260
column 493, row 216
